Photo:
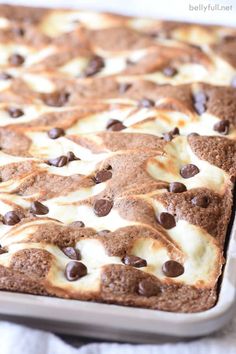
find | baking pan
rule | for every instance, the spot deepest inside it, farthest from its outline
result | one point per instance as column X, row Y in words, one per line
column 122, row 323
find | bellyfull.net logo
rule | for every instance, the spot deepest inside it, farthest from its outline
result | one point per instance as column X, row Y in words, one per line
column 210, row 7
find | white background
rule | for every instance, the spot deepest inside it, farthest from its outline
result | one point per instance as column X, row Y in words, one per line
column 171, row 9
column 19, row 340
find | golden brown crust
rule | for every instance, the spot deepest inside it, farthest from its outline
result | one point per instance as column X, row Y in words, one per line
column 214, row 218
column 217, row 150
column 121, row 96
column 121, row 285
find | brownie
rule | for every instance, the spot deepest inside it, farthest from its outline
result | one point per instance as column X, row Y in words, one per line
column 117, row 159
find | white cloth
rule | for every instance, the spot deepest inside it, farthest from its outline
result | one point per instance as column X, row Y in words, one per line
column 16, row 339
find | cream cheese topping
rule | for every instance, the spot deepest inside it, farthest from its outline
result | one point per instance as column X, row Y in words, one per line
column 178, row 153
column 188, row 244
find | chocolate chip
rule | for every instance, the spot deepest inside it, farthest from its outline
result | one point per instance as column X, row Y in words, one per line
column 166, row 220
column 188, row 171
column 102, row 207
column 200, row 108
column 75, row 270
column 58, row 162
column 55, row 133
column 123, row 87
column 175, row 131
column 76, row 21
column 103, row 232
column 200, row 96
column 71, row 156
column 228, row 38
column 11, row 218
column 95, row 65
column 153, row 34
column 115, row 125
column 77, row 224
column 56, row 99
column 232, row 179
column 146, row 103
column 18, row 31
column 16, row 60
column 201, row 201
column 15, row 112
column 5, row 76
column 102, row 176
column 130, row 62
column 169, row 71
column 193, row 134
column 167, row 136
column 172, row 269
column 134, row 261
column 159, row 34
column 148, row 288
column 170, row 135
column 233, row 82
column 200, row 101
column 222, row 127
column 72, row 253
column 38, row 208
column 2, row 250
column 177, row 187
